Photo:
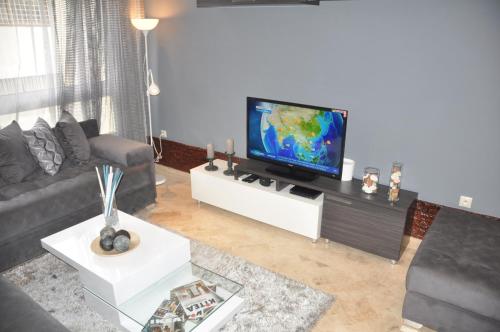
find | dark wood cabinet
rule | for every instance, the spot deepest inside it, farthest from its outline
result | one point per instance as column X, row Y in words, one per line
column 364, row 226
column 367, row 222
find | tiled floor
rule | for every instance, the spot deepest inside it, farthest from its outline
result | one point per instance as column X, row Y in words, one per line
column 369, row 290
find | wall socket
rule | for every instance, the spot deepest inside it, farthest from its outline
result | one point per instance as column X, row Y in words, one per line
column 465, row 202
column 163, row 133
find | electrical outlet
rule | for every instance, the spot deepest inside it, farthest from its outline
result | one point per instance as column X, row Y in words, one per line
column 465, row 202
column 163, row 133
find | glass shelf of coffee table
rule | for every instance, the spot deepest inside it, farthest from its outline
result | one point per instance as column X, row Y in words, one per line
column 182, row 300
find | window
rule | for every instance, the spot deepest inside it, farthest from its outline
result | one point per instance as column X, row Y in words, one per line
column 28, row 81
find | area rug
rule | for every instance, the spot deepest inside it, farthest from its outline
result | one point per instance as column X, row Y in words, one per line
column 272, row 302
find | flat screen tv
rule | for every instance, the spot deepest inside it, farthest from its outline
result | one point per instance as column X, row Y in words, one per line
column 300, row 141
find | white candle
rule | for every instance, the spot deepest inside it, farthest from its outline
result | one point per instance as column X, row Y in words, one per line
column 210, row 151
column 230, row 146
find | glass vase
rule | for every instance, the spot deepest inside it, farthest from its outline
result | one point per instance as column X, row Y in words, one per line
column 110, row 213
column 370, row 180
column 395, row 182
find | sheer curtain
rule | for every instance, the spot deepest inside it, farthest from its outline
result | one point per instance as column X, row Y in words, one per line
column 84, row 57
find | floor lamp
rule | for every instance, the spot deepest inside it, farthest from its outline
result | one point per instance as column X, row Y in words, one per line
column 145, row 25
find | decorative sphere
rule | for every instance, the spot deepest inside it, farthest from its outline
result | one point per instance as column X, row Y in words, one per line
column 107, row 231
column 123, row 232
column 106, row 243
column 121, row 243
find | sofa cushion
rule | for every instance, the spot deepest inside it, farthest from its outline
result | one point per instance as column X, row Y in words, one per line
column 458, row 262
column 21, row 313
column 16, row 161
column 39, row 179
column 73, row 139
column 29, row 205
column 45, row 147
column 41, row 198
column 120, row 150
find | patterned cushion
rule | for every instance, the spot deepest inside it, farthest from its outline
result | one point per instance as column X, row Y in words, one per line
column 44, row 146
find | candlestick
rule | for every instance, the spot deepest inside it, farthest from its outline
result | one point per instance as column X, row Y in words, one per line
column 210, row 151
column 210, row 157
column 230, row 146
column 229, row 171
column 211, row 167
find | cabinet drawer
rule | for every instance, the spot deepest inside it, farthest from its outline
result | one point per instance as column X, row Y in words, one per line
column 361, row 225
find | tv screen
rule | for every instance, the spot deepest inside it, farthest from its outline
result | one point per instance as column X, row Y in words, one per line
column 299, row 136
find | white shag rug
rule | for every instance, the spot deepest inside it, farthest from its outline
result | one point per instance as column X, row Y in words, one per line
column 272, row 302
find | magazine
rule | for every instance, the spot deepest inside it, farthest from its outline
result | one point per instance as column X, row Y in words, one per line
column 196, row 299
column 189, row 303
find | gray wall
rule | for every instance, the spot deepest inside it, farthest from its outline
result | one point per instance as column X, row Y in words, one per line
column 420, row 78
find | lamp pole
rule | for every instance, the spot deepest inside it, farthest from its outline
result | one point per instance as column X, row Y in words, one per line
column 145, row 32
column 145, row 25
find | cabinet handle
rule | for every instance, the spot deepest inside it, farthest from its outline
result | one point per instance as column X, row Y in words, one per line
column 339, row 200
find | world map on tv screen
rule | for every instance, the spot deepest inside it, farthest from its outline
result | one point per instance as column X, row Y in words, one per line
column 306, row 137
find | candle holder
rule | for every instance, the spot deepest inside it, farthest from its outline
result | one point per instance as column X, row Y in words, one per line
column 211, row 167
column 395, row 182
column 370, row 180
column 229, row 171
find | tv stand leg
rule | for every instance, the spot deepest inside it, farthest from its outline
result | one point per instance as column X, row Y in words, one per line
column 394, row 262
column 314, row 240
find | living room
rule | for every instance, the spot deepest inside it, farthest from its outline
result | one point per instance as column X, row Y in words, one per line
column 315, row 165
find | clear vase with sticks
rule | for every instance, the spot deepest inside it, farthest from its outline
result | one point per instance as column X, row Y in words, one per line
column 108, row 185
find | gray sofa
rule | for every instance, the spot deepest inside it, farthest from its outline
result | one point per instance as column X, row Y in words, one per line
column 453, row 283
column 21, row 313
column 44, row 204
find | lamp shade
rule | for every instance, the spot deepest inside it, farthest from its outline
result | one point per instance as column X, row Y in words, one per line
column 145, row 24
column 154, row 89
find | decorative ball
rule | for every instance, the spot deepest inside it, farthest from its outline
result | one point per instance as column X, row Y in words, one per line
column 107, row 231
column 106, row 243
column 123, row 232
column 121, row 243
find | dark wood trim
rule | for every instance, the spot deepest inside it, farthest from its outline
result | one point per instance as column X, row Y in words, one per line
column 184, row 157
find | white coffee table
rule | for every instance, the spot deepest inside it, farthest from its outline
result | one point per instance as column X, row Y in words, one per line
column 114, row 284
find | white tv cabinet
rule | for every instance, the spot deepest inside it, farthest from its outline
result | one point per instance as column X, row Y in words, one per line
column 277, row 208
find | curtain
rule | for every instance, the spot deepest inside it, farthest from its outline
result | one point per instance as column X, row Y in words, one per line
column 93, row 64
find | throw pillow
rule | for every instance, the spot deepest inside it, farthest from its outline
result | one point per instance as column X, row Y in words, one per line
column 90, row 128
column 73, row 139
column 45, row 147
column 16, row 161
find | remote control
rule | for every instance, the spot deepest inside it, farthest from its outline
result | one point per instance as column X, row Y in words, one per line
column 251, row 178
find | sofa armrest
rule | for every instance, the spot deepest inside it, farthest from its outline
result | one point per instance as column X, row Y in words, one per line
column 21, row 313
column 121, row 150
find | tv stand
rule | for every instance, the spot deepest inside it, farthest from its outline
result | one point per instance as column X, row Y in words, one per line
column 343, row 213
column 278, row 208
column 349, row 216
column 291, row 173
